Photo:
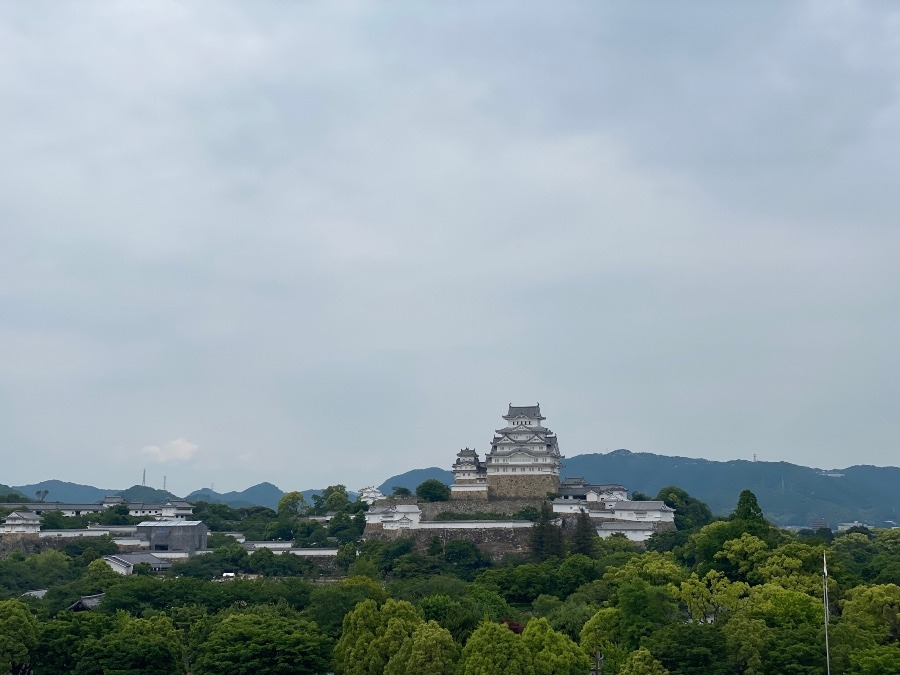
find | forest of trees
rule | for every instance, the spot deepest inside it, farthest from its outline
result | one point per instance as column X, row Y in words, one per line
column 719, row 596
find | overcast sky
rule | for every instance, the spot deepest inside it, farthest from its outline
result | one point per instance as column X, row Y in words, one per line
column 314, row 243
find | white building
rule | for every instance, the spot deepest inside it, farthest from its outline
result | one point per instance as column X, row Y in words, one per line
column 370, row 495
column 649, row 511
column 175, row 509
column 578, row 489
column 638, row 532
column 395, row 517
column 22, row 522
column 124, row 563
column 620, row 509
column 523, row 461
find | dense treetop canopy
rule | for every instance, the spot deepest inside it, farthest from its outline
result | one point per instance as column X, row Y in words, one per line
column 718, row 597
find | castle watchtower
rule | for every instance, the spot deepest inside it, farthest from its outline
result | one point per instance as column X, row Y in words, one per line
column 469, row 476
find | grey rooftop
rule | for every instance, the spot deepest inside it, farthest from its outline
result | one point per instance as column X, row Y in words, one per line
column 641, row 506
column 524, row 410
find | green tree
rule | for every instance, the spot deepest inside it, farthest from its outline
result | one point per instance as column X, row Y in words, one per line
column 334, row 499
column 370, row 636
column 585, row 535
column 690, row 649
column 882, row 660
column 553, row 653
column 776, row 631
column 61, row 640
column 875, row 610
column 641, row 662
column 400, row 491
column 602, row 635
column 742, row 558
column 492, row 649
column 397, row 621
column 251, row 643
column 747, row 508
column 644, row 608
column 429, row 651
column 711, row 597
column 690, row 512
column 464, row 559
column 569, row 618
column 135, row 646
column 292, row 504
column 575, row 571
column 98, row 577
column 357, row 633
column 329, row 604
column 433, row 490
column 546, row 536
column 18, row 637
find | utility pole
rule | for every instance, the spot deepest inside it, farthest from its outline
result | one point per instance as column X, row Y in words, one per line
column 825, row 603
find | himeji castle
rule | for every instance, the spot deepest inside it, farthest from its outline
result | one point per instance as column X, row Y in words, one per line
column 523, row 461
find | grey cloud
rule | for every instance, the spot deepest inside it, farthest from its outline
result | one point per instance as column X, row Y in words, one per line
column 232, row 223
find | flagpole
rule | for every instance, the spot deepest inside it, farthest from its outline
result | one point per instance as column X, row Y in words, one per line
column 825, row 603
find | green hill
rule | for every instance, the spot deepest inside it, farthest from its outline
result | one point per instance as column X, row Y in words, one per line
column 789, row 494
column 62, row 491
column 143, row 493
column 9, row 494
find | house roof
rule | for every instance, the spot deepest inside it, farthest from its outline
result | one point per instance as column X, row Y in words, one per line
column 23, row 515
column 86, row 602
column 626, row 505
column 570, row 488
column 624, row 525
column 138, row 558
column 169, row 523
column 37, row 593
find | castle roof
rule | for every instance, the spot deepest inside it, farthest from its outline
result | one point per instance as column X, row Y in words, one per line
column 533, row 411
column 467, row 452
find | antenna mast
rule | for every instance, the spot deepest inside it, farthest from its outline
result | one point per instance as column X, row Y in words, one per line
column 144, row 478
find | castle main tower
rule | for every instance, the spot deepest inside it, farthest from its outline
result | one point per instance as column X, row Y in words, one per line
column 524, row 459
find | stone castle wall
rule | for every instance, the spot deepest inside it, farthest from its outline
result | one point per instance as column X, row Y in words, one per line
column 523, row 485
column 505, row 506
column 496, row 542
column 471, row 496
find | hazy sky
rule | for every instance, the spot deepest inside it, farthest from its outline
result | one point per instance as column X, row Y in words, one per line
column 313, row 243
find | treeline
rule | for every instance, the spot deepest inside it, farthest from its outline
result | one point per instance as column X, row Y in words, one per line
column 730, row 596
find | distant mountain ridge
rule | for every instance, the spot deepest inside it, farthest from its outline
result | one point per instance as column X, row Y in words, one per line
column 62, row 491
column 263, row 494
column 412, row 479
column 788, row 493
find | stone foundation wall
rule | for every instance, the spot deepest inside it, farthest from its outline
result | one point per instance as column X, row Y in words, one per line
column 495, row 542
column 470, row 496
column 29, row 544
column 522, row 485
column 504, row 506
